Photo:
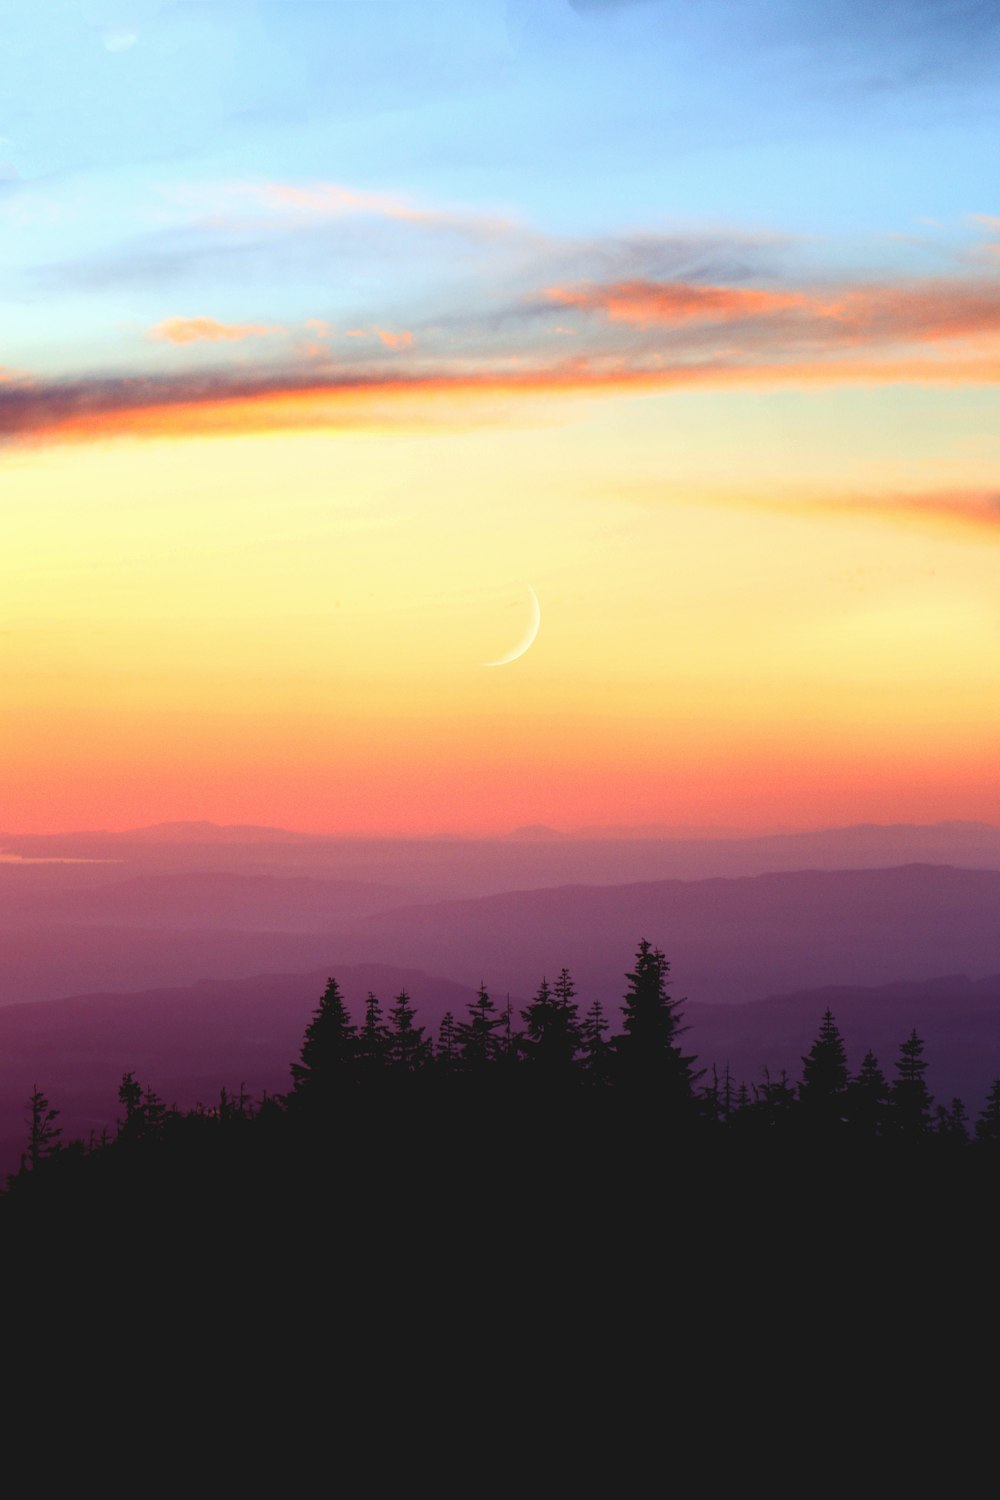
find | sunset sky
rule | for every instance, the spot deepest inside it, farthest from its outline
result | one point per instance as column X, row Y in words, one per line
column 330, row 329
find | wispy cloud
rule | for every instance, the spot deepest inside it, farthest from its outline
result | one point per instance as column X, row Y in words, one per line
column 301, row 399
column 966, row 508
column 834, row 319
column 238, row 205
column 401, row 339
column 646, row 303
column 197, row 330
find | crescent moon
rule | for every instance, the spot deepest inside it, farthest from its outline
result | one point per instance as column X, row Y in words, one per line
column 527, row 640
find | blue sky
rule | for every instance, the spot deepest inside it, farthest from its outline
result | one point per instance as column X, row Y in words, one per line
column 863, row 134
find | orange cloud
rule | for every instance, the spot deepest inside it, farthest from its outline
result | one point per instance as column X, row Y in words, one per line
column 978, row 508
column 651, row 302
column 197, row 330
column 401, row 340
column 189, row 405
column 920, row 312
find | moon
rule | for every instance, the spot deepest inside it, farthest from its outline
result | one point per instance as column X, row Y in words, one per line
column 527, row 640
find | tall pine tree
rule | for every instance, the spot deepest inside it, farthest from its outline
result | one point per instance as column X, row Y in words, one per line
column 477, row 1038
column 596, row 1054
column 372, row 1039
column 868, row 1098
column 552, row 1028
column 910, row 1102
column 824, row 1076
column 329, row 1050
column 43, row 1132
column 649, row 1058
column 406, row 1047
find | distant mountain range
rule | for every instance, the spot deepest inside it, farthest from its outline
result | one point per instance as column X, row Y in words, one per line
column 729, row 940
column 530, row 858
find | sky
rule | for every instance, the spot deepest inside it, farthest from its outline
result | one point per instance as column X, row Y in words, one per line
column 332, row 330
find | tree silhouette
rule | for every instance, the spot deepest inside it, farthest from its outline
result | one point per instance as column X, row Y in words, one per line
column 130, row 1098
column 824, row 1075
column 868, row 1097
column 647, row 1053
column 988, row 1124
column 43, row 1132
column 406, row 1047
column 371, row 1045
column 953, row 1123
column 477, row 1039
column 330, row 1045
column 909, row 1100
column 595, row 1050
column 552, row 1026
column 446, row 1051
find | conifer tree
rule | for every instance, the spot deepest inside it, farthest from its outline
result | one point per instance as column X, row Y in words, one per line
column 130, row 1097
column 154, row 1111
column 647, row 1054
column 372, row 1039
column 511, row 1041
column 477, row 1039
column 406, row 1047
column 868, row 1097
column 988, row 1124
column 953, row 1123
column 909, row 1099
column 446, row 1051
column 824, row 1075
column 43, row 1132
column 553, row 1032
column 596, row 1051
column 330, row 1045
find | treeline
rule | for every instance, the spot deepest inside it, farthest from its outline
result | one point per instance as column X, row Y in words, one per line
column 551, row 1058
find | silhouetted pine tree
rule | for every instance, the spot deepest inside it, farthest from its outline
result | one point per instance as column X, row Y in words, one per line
column 988, row 1124
column 647, row 1054
column 130, row 1098
column 910, row 1102
column 43, row 1132
column 552, row 1028
column 154, row 1111
column 372, row 1040
column 477, row 1039
column 406, row 1047
column 511, row 1041
column 330, row 1045
column 868, row 1097
column 953, row 1123
column 446, row 1051
column 596, row 1051
column 824, row 1076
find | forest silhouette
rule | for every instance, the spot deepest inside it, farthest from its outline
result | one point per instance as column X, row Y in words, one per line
column 550, row 1094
